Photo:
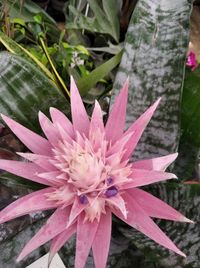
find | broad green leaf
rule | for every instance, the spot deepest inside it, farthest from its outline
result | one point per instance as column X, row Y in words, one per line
column 190, row 126
column 190, row 110
column 112, row 10
column 87, row 82
column 154, row 59
column 105, row 19
column 15, row 48
column 24, row 90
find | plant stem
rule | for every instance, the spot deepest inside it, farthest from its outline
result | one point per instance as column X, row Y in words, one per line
column 60, row 80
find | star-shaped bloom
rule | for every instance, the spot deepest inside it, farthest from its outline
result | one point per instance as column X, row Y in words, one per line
column 87, row 176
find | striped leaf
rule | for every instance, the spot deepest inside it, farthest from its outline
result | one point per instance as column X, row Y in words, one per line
column 24, row 90
column 154, row 59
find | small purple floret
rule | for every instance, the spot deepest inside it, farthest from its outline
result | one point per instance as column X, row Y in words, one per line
column 112, row 191
column 83, row 199
column 109, row 180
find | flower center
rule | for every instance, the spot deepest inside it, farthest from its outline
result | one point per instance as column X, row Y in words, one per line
column 86, row 170
column 90, row 174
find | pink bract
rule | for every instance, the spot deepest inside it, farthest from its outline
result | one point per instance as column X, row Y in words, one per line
column 88, row 177
column 191, row 61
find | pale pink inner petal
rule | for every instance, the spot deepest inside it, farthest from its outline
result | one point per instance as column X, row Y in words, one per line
column 53, row 177
column 33, row 141
column 119, row 203
column 54, row 226
column 76, row 210
column 40, row 160
column 59, row 118
column 85, row 236
column 101, row 243
column 79, row 115
column 30, row 203
column 49, row 129
column 96, row 119
column 64, row 135
column 116, row 121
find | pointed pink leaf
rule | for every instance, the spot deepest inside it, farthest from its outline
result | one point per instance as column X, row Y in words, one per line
column 49, row 129
column 85, row 236
column 101, row 243
column 33, row 141
column 116, row 121
column 60, row 240
column 51, row 177
column 76, row 209
column 154, row 207
column 119, row 203
column 54, row 226
column 138, row 219
column 40, row 160
column 97, row 131
column 142, row 177
column 138, row 128
column 79, row 115
column 30, row 203
column 97, row 118
column 26, row 170
column 119, row 145
column 159, row 163
column 60, row 118
column 63, row 134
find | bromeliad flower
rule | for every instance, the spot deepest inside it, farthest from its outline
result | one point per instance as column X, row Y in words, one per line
column 88, row 176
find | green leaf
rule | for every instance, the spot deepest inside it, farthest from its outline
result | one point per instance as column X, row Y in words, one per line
column 18, row 21
column 38, row 18
column 24, row 90
column 86, row 83
column 190, row 126
column 104, row 20
column 26, row 11
column 11, row 180
column 15, row 48
column 112, row 11
column 190, row 112
column 100, row 15
column 154, row 60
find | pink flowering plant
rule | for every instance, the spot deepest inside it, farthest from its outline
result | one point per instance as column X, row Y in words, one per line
column 87, row 176
column 191, row 61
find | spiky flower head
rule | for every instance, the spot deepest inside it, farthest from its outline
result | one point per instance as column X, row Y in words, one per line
column 87, row 177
